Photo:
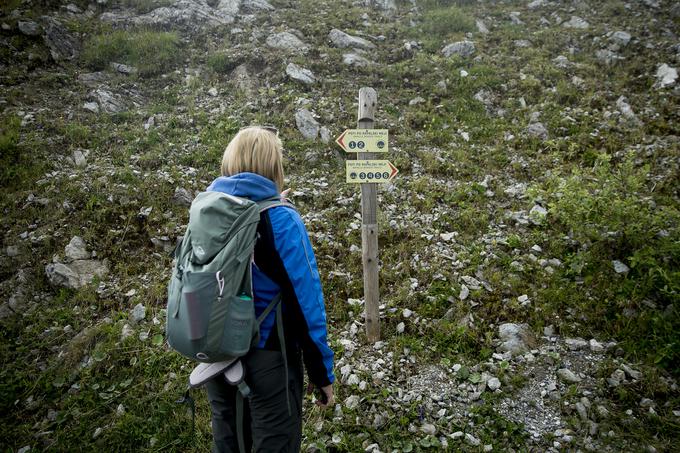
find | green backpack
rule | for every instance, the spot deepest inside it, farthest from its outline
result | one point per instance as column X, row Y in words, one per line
column 210, row 311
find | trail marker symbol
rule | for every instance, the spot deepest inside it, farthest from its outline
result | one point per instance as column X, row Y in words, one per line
column 364, row 140
column 374, row 171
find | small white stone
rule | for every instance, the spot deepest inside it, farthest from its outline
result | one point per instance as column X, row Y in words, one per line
column 138, row 313
column 400, row 327
column 429, row 428
column 493, row 384
column 596, row 346
column 406, row 313
column 619, row 267
column 472, row 440
column 352, row 402
column 568, row 376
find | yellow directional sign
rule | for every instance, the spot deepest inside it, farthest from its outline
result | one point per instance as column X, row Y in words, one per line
column 369, row 171
column 364, row 140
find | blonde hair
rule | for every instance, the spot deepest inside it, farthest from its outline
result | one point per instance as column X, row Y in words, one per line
column 255, row 150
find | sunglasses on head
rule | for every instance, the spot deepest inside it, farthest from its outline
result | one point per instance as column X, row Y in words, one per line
column 268, row 128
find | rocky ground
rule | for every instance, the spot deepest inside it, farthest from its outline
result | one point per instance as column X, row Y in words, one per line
column 530, row 248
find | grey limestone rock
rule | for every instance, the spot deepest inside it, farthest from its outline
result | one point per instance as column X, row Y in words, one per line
column 108, row 101
column 622, row 38
column 300, row 74
column 182, row 197
column 76, row 274
column 306, row 124
column 29, row 28
column 62, row 45
column 287, row 42
column 252, row 6
column 79, row 158
column 193, row 13
column 577, row 23
column 353, row 59
column 343, row 40
column 619, row 267
column 665, row 76
column 568, row 376
column 515, row 338
column 76, row 249
column 91, row 107
column 537, row 130
column 123, row 69
column 462, row 48
column 138, row 313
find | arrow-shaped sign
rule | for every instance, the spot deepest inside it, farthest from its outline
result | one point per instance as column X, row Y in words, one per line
column 364, row 140
column 369, row 171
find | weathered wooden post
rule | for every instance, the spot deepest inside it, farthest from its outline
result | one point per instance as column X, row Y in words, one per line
column 369, row 172
column 368, row 99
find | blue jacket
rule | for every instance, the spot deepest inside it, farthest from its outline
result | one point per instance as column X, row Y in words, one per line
column 285, row 263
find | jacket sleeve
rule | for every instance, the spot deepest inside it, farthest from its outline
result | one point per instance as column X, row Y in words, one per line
column 301, row 288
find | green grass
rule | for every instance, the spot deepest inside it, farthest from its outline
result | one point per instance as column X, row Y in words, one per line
column 151, row 52
column 602, row 206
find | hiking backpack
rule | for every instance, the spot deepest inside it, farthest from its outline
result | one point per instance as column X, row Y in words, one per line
column 210, row 311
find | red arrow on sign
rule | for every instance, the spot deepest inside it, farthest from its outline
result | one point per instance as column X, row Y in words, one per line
column 394, row 170
column 340, row 141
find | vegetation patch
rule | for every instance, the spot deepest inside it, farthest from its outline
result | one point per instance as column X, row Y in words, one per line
column 151, row 52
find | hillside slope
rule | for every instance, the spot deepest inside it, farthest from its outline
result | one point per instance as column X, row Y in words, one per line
column 529, row 246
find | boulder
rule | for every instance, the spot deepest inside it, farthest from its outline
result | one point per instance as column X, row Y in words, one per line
column 622, row 38
column 577, row 23
column 182, row 197
column 287, row 42
column 76, row 249
column 299, row 74
column 76, row 274
column 462, row 48
column 343, row 40
column 29, row 28
column 515, row 338
column 356, row 60
column 193, row 13
column 537, row 130
column 306, row 124
column 62, row 45
column 665, row 76
column 252, row 6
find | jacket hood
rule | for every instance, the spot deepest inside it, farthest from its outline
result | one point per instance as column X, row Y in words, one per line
column 246, row 185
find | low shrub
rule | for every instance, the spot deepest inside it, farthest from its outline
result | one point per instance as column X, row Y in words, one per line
column 443, row 22
column 608, row 214
column 222, row 63
column 150, row 52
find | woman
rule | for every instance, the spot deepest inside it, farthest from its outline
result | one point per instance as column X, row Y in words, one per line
column 284, row 263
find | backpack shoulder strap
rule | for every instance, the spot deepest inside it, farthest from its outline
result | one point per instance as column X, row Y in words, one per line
column 274, row 202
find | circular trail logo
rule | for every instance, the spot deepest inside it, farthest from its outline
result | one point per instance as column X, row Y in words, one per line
column 381, row 144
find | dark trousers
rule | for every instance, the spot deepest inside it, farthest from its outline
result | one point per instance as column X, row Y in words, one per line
column 267, row 424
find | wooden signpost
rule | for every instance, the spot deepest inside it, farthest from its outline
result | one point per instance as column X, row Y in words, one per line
column 368, row 172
